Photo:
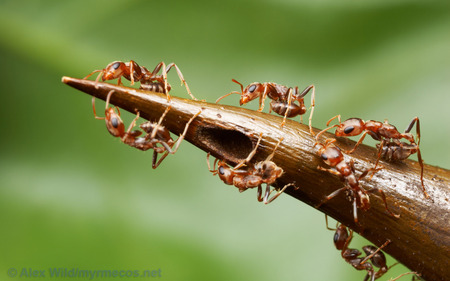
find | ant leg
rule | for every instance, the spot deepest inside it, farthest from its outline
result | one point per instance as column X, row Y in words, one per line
column 106, row 105
column 95, row 114
column 214, row 165
column 383, row 196
column 132, row 125
column 276, row 195
column 259, row 194
column 227, row 96
column 408, row 129
column 262, row 98
column 157, row 68
column 337, row 116
column 313, row 103
column 355, row 211
column 98, row 76
column 132, row 63
column 164, row 73
column 326, row 224
column 134, row 69
column 380, row 151
column 181, row 137
column 407, row 273
column 274, row 149
column 155, row 156
column 419, row 157
column 323, row 131
column 250, row 155
column 331, row 195
column 155, row 129
column 287, row 110
column 95, row 71
column 334, row 172
column 183, row 81
column 347, row 241
column 373, row 254
column 358, row 143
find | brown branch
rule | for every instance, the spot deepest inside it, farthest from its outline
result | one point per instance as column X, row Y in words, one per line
column 420, row 237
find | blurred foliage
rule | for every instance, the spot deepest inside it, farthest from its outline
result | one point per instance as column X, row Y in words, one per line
column 73, row 197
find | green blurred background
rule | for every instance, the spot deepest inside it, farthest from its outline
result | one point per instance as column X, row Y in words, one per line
column 71, row 196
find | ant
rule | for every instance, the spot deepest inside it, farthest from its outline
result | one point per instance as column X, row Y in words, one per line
column 156, row 133
column 333, row 157
column 342, row 239
column 253, row 175
column 283, row 99
column 149, row 80
column 387, row 134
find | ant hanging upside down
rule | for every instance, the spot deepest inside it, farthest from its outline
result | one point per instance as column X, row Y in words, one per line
column 283, row 99
column 133, row 72
column 156, row 133
column 252, row 175
column 390, row 147
column 333, row 157
column 342, row 239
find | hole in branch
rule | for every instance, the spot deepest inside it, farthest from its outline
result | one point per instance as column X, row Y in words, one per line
column 230, row 145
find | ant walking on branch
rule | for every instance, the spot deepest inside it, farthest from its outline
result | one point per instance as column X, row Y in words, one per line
column 283, row 99
column 251, row 175
column 133, row 72
column 156, row 133
column 390, row 147
column 333, row 157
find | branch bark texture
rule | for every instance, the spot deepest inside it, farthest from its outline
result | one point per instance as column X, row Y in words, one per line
column 420, row 238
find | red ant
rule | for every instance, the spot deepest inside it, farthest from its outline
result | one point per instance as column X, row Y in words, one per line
column 283, row 99
column 333, row 157
column 253, row 175
column 149, row 80
column 387, row 134
column 342, row 239
column 156, row 133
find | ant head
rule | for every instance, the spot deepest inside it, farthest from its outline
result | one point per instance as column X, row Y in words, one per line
column 251, row 92
column 226, row 174
column 331, row 155
column 113, row 70
column 350, row 127
column 114, row 123
column 340, row 237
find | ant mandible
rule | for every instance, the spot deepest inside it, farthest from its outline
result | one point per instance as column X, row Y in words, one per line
column 283, row 99
column 342, row 239
column 156, row 133
column 387, row 134
column 333, row 157
column 253, row 175
column 150, row 81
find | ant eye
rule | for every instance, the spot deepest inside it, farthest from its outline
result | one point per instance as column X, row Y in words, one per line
column 324, row 156
column 349, row 129
column 221, row 170
column 252, row 88
column 115, row 122
column 116, row 65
